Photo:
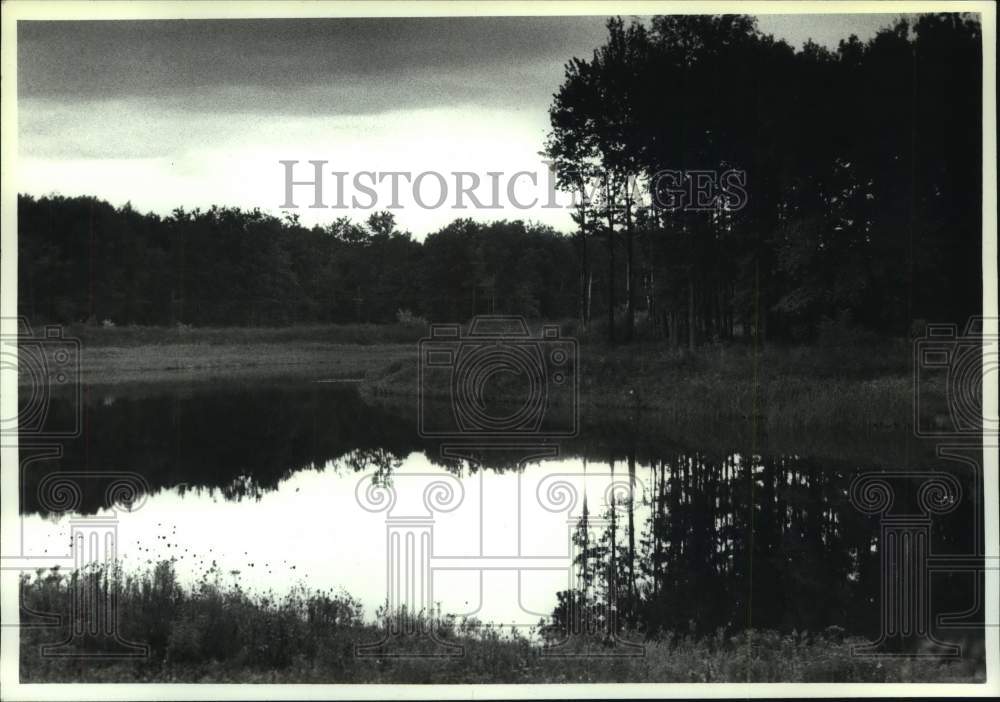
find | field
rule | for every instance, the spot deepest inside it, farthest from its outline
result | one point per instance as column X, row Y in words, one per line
column 859, row 383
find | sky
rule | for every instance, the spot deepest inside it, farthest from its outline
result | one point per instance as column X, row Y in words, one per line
column 165, row 114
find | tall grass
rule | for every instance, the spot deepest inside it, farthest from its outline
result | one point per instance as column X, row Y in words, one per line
column 215, row 631
column 776, row 387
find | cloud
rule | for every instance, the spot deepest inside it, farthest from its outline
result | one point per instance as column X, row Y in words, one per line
column 171, row 113
column 292, row 65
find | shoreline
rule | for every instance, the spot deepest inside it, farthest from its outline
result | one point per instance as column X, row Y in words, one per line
column 780, row 387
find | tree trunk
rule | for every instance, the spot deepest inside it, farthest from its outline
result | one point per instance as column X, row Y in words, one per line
column 613, row 566
column 629, row 269
column 692, row 324
column 651, row 310
column 584, row 263
column 585, row 538
column 611, row 262
column 590, row 296
column 658, row 525
column 760, row 313
column 633, row 594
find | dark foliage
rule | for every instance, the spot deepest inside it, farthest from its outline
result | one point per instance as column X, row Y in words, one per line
column 863, row 175
column 83, row 260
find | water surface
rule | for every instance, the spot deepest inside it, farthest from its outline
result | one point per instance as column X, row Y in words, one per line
column 271, row 486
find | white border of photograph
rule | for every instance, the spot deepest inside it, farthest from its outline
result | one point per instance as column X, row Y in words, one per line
column 14, row 10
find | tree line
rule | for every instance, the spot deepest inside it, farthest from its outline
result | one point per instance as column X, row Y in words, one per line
column 863, row 177
column 82, row 259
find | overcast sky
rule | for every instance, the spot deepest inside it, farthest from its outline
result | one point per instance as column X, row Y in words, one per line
column 191, row 113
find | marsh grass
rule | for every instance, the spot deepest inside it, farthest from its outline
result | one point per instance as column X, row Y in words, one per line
column 776, row 387
column 216, row 632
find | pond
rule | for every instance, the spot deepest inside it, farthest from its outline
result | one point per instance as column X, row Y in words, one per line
column 272, row 485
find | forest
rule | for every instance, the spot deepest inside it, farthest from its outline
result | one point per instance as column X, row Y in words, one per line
column 863, row 204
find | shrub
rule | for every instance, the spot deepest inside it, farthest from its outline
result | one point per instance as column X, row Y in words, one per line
column 407, row 318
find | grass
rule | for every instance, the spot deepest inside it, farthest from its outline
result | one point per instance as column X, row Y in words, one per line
column 865, row 385
column 778, row 388
column 186, row 361
column 111, row 355
column 92, row 336
column 212, row 632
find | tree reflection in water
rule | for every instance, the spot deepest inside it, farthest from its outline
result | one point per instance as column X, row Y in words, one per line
column 718, row 537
